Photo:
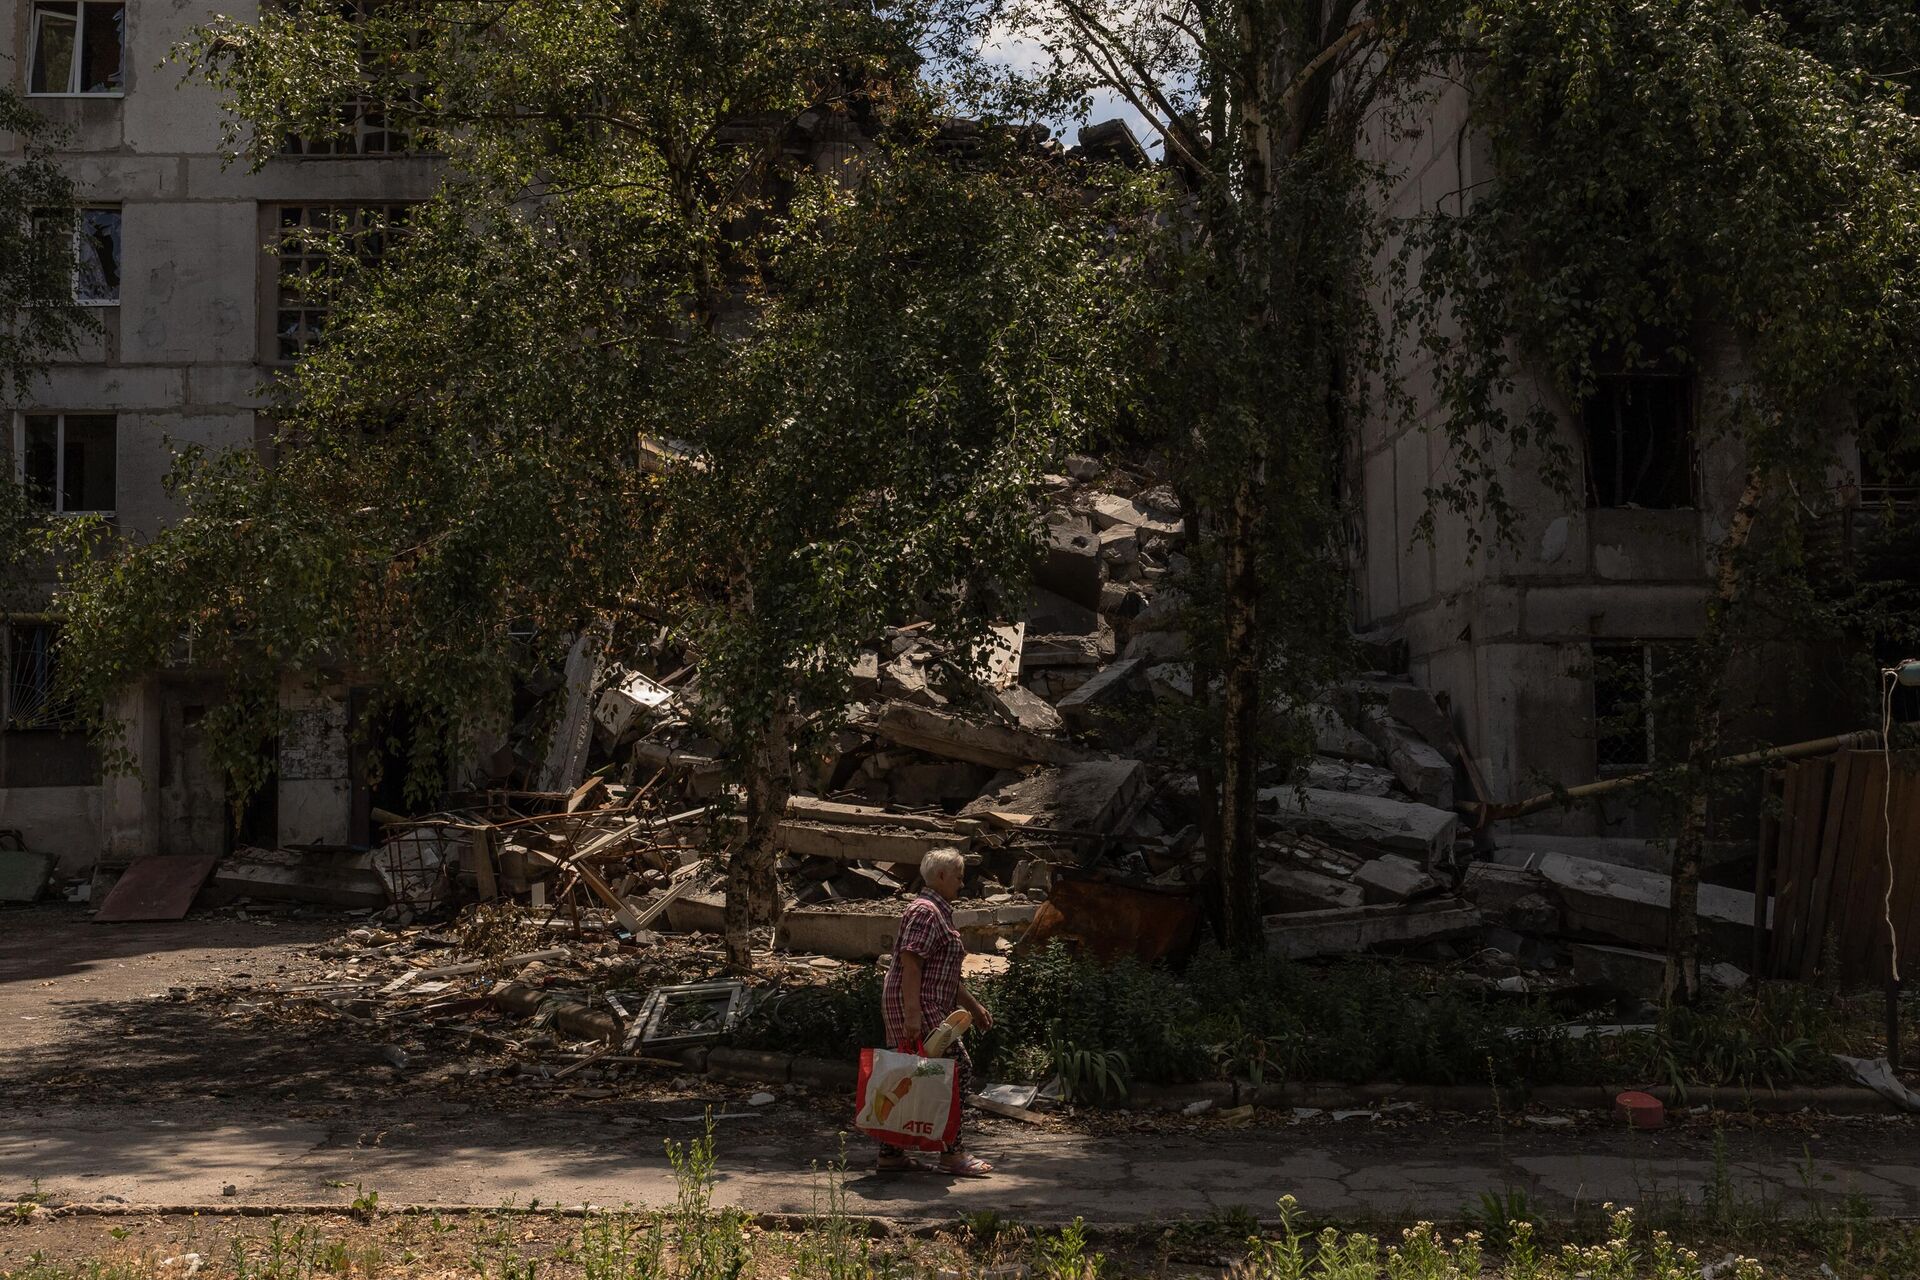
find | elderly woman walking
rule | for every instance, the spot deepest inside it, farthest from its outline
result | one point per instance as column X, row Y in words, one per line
column 924, row 985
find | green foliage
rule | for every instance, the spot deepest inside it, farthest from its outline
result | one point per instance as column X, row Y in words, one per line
column 41, row 321
column 1065, row 1255
column 634, row 363
column 1273, row 1020
column 707, row 1244
column 1089, row 1075
column 1656, row 164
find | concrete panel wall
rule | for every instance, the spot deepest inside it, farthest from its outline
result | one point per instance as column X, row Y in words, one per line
column 180, row 361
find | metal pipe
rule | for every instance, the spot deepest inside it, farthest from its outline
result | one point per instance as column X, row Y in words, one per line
column 1858, row 740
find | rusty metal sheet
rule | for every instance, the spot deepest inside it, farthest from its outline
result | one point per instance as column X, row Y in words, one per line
column 161, row 887
column 1110, row 919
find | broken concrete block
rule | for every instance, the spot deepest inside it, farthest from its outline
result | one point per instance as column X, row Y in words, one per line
column 1111, row 509
column 1066, row 650
column 906, row 680
column 1052, row 614
column 1391, row 878
column 1086, row 797
column 1333, row 736
column 1327, row 774
column 1120, row 545
column 1081, row 467
column 1619, row 969
column 1424, row 772
column 1171, row 681
column 864, row 674
column 865, row 844
column 943, row 734
column 1030, row 874
column 1515, row 896
column 629, row 698
column 935, row 782
column 1623, row 905
column 1000, row 660
column 1028, row 709
column 1287, row 886
column 1081, row 707
column 1418, row 829
column 1353, row 930
column 1120, row 602
column 1070, row 566
column 283, row 875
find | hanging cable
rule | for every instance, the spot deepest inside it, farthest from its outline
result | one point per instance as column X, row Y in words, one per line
column 1890, row 678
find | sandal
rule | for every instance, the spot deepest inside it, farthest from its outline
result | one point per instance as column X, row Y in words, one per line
column 961, row 1165
column 895, row 1161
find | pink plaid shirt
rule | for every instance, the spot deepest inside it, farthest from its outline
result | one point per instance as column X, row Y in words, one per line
column 926, row 930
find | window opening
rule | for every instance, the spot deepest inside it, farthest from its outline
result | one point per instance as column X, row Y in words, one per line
column 307, row 266
column 68, row 461
column 1638, row 711
column 1639, row 430
column 77, row 48
column 33, row 699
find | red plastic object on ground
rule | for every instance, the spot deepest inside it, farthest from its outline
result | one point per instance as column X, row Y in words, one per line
column 1640, row 1110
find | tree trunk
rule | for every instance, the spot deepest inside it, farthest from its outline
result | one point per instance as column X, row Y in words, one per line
column 1683, row 907
column 753, row 891
column 1237, row 878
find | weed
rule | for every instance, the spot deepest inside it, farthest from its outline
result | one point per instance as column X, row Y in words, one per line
column 1090, row 1075
column 364, row 1203
column 1500, row 1215
column 708, row 1244
column 1065, row 1256
column 984, row 1226
column 837, row 1246
column 621, row 1246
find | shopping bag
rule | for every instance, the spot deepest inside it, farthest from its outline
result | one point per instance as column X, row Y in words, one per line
column 908, row 1100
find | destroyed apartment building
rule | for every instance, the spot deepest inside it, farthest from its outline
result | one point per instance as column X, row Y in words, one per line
column 1039, row 765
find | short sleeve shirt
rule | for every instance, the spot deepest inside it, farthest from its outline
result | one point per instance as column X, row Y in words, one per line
column 926, row 930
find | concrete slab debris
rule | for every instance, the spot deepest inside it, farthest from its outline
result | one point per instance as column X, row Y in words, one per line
column 346, row 881
column 1087, row 797
column 1082, row 706
column 1423, row 771
column 1418, row 829
column 1110, row 510
column 1333, row 736
column 1287, row 886
column 1326, row 774
column 944, row 734
column 1620, row 904
column 1392, row 878
column 1350, row 931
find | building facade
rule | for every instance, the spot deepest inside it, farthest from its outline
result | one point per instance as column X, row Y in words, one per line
column 197, row 317
column 1543, row 645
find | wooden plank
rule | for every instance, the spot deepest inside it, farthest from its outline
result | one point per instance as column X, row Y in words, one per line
column 480, row 856
column 1860, row 914
column 1811, row 780
column 1820, row 882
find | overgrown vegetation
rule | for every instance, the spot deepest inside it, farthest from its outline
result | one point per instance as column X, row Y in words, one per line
column 1271, row 1020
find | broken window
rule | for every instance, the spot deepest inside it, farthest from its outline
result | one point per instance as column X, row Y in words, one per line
column 309, row 239
column 1639, row 711
column 44, row 743
column 96, row 251
column 364, row 125
column 77, row 48
column 1639, row 429
column 69, row 461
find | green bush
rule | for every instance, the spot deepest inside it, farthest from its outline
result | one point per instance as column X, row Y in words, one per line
column 1270, row 1020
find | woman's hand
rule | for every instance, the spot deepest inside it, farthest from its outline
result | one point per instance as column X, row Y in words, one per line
column 982, row 1016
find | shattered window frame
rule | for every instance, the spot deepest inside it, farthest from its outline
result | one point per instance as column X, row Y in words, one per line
column 1643, row 423
column 364, row 126
column 83, row 49
column 296, row 319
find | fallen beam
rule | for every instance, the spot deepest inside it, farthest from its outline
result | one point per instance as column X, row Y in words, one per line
column 1348, row 932
column 950, row 737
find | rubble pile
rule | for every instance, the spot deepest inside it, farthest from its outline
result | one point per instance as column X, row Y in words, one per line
column 1039, row 759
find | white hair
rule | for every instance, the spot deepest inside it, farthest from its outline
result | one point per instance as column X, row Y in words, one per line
column 937, row 860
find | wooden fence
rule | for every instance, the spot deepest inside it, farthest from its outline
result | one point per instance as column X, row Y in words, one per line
column 1824, row 858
